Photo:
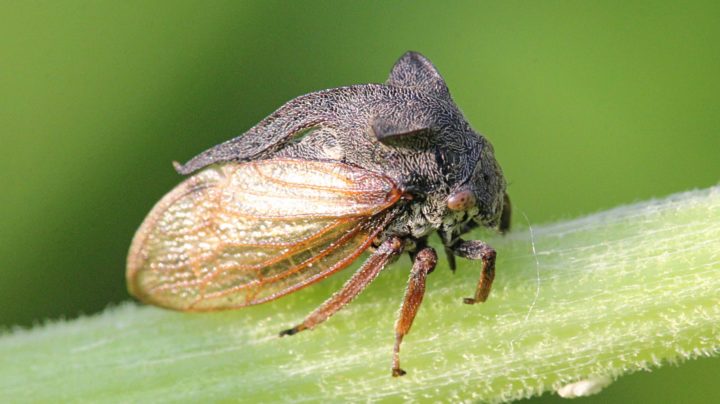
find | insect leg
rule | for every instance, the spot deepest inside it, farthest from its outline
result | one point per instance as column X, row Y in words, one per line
column 424, row 263
column 506, row 214
column 451, row 259
column 478, row 250
column 447, row 239
column 388, row 250
column 420, row 244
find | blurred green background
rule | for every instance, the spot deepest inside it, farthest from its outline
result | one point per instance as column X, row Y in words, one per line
column 588, row 104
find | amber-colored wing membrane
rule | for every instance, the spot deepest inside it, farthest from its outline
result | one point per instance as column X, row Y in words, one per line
column 238, row 234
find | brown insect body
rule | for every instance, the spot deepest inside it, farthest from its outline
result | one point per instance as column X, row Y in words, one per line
column 307, row 190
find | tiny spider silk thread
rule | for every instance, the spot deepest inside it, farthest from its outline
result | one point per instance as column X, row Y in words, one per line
column 537, row 267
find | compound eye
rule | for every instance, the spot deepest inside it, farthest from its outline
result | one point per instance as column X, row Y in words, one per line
column 462, row 199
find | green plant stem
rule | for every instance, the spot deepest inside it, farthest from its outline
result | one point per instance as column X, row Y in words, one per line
column 626, row 289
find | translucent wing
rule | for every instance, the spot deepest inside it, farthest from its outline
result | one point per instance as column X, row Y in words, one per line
column 244, row 233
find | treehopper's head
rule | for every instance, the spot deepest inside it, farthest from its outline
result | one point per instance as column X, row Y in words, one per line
column 476, row 186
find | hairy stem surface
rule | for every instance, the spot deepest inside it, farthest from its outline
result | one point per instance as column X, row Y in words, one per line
column 626, row 289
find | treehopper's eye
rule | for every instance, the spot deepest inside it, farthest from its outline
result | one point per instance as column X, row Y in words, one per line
column 461, row 199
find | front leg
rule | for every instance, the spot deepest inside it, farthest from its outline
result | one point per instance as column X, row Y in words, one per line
column 506, row 215
column 478, row 250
